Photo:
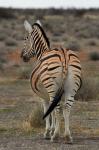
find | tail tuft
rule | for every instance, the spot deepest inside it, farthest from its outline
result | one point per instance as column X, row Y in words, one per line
column 56, row 100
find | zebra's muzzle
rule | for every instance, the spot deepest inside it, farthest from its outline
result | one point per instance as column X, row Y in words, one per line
column 25, row 58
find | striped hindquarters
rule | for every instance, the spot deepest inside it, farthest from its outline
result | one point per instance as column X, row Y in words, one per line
column 48, row 73
column 72, row 78
column 74, row 62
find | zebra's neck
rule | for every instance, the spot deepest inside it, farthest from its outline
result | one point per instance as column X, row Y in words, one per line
column 41, row 43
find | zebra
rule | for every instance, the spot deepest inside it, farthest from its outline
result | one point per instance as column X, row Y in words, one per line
column 56, row 78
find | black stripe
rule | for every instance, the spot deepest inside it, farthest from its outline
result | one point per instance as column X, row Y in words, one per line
column 68, row 104
column 76, row 61
column 53, row 55
column 38, row 53
column 64, row 55
column 56, row 49
column 49, row 69
column 70, row 100
column 74, row 90
column 42, row 31
column 51, row 91
column 36, row 43
column 46, row 79
column 48, row 85
column 35, row 69
column 43, row 71
column 41, row 45
column 77, row 84
column 73, row 55
column 35, row 35
column 80, row 81
column 77, row 76
column 72, row 96
column 76, row 67
column 36, row 38
column 39, row 77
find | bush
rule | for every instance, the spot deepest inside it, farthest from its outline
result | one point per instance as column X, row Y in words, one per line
column 94, row 56
column 11, row 42
column 92, row 43
column 35, row 118
column 73, row 45
column 24, row 74
column 89, row 90
column 2, row 37
column 79, row 12
column 7, row 13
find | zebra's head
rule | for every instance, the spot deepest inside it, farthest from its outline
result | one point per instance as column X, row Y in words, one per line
column 28, row 50
column 35, row 43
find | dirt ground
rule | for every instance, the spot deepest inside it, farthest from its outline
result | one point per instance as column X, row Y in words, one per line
column 38, row 143
column 17, row 101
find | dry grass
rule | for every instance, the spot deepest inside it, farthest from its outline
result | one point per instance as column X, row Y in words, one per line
column 34, row 120
column 89, row 90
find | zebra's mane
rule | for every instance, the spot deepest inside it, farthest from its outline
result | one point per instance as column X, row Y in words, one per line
column 43, row 32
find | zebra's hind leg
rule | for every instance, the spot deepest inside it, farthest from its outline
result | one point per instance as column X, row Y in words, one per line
column 66, row 114
column 52, row 123
column 56, row 132
column 47, row 120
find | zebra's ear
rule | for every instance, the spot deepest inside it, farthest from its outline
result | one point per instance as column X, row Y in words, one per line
column 27, row 26
column 39, row 22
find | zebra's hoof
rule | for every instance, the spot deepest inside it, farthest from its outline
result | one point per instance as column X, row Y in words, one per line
column 54, row 138
column 69, row 139
column 52, row 132
column 47, row 135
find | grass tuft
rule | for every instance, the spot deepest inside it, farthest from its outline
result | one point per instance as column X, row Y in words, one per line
column 34, row 120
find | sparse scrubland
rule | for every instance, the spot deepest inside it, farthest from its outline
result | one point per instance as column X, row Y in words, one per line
column 20, row 108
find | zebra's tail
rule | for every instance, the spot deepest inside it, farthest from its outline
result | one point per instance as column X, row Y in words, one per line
column 56, row 100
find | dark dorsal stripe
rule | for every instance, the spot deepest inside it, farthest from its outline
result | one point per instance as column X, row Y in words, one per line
column 42, row 31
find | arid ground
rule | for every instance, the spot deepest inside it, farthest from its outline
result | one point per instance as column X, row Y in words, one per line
column 74, row 29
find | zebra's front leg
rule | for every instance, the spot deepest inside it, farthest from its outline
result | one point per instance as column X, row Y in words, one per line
column 66, row 114
column 47, row 120
column 56, row 132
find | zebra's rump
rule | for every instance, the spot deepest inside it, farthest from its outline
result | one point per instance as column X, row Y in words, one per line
column 51, row 71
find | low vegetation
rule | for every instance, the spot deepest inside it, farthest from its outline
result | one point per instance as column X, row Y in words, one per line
column 10, row 42
column 73, row 45
column 2, row 36
column 89, row 90
column 35, row 118
column 94, row 56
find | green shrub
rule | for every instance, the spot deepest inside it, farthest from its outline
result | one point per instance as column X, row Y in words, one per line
column 94, row 56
